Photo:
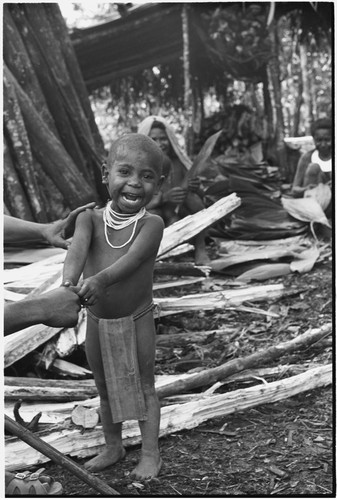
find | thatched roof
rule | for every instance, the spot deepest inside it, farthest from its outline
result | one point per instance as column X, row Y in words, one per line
column 151, row 34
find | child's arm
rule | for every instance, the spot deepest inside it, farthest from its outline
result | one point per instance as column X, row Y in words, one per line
column 144, row 246
column 78, row 250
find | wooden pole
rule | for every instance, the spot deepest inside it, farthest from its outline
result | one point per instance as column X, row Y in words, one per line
column 188, row 112
column 57, row 457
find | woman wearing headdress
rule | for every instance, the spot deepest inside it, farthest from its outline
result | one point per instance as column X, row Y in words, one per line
column 179, row 195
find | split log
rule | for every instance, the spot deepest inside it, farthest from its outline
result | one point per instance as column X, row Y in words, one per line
column 174, row 418
column 180, row 269
column 184, row 229
column 57, row 457
column 212, row 375
column 214, row 300
column 20, row 343
column 179, row 250
column 67, row 369
column 49, row 392
column 177, row 283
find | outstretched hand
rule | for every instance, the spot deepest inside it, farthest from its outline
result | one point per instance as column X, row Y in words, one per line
column 57, row 232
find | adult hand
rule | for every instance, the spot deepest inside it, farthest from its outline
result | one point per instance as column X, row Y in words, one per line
column 175, row 195
column 57, row 232
column 60, row 307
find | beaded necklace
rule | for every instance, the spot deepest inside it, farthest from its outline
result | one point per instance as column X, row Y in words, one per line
column 120, row 221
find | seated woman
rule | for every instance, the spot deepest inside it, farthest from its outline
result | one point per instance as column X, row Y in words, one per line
column 179, row 195
column 314, row 167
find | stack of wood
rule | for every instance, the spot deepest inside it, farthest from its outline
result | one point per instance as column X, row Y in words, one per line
column 63, row 408
column 52, row 147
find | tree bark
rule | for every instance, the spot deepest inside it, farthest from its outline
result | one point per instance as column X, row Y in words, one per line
column 38, row 48
column 306, row 108
column 16, row 130
column 61, row 33
column 14, row 195
column 17, row 60
column 51, row 153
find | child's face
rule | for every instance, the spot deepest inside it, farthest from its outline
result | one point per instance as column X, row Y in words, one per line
column 132, row 180
column 322, row 138
column 160, row 137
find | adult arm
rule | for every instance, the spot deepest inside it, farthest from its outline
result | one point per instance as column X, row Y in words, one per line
column 58, row 308
column 55, row 233
column 144, row 246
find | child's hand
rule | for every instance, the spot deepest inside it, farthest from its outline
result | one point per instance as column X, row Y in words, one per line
column 90, row 291
column 175, row 195
column 194, row 185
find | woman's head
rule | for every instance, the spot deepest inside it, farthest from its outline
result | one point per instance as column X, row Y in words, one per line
column 159, row 135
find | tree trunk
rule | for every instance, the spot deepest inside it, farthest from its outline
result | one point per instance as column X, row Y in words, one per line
column 16, row 131
column 14, row 195
column 274, row 78
column 60, row 30
column 306, row 109
column 17, row 60
column 38, row 48
column 51, row 153
column 51, row 51
column 188, row 101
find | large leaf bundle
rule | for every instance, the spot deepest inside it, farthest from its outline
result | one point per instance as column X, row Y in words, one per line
column 258, row 218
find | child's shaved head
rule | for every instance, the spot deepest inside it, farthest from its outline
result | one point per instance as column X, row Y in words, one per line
column 138, row 142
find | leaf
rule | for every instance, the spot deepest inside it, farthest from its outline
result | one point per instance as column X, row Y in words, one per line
column 306, row 260
column 305, row 209
column 265, row 272
column 203, row 155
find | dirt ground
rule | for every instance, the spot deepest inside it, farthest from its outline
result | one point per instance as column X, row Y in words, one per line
column 281, row 449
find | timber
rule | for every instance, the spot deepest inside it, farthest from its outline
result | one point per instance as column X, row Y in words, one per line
column 72, row 441
column 57, row 457
column 213, row 375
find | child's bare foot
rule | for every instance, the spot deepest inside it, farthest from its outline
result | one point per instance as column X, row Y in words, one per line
column 148, row 467
column 109, row 456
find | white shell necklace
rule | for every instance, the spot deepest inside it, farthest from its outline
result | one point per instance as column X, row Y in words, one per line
column 120, row 221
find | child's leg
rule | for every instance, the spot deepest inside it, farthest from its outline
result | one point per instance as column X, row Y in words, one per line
column 150, row 461
column 114, row 450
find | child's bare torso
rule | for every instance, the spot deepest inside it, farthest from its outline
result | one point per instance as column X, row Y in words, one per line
column 132, row 294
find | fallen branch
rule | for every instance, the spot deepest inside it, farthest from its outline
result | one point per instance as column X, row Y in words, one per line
column 184, row 229
column 57, row 457
column 174, row 418
column 208, row 377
